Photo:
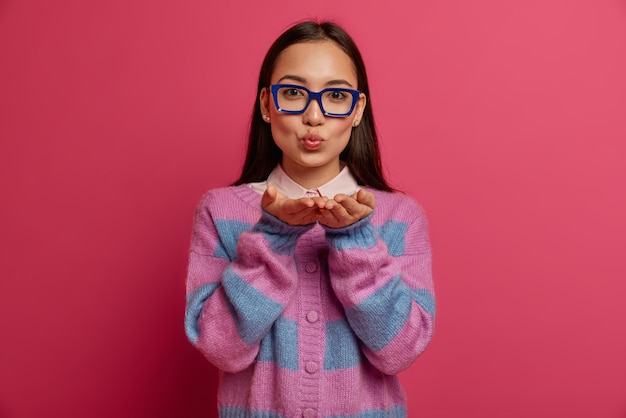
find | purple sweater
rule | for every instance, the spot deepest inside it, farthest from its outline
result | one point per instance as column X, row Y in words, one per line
column 309, row 321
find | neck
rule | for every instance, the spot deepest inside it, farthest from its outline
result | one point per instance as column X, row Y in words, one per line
column 313, row 177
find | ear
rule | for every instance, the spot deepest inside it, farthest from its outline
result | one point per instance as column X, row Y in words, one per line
column 359, row 109
column 264, row 102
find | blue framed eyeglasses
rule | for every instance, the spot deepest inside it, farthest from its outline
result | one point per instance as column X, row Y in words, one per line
column 337, row 102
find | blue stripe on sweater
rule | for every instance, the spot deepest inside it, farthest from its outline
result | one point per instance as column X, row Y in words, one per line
column 397, row 411
column 342, row 348
column 280, row 344
column 393, row 233
column 281, row 236
column 358, row 235
column 229, row 232
column 253, row 312
column 425, row 299
column 195, row 303
column 241, row 412
column 379, row 318
column 282, row 244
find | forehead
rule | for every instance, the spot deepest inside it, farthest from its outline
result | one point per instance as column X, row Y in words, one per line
column 316, row 62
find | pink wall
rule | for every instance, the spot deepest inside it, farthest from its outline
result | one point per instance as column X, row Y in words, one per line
column 505, row 119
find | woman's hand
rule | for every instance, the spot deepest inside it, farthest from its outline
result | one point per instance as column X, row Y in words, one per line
column 345, row 210
column 301, row 211
column 341, row 211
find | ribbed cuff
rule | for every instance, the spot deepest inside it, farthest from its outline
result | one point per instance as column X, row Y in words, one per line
column 281, row 236
column 358, row 235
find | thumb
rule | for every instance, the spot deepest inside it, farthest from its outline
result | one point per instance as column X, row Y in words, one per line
column 366, row 198
column 269, row 196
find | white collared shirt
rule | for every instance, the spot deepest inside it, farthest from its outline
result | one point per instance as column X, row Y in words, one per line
column 343, row 183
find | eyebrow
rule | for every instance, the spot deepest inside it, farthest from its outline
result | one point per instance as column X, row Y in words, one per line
column 297, row 78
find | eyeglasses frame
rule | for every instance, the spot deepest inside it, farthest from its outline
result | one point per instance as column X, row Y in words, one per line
column 317, row 96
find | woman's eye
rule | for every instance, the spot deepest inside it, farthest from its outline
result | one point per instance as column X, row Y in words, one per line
column 337, row 95
column 293, row 92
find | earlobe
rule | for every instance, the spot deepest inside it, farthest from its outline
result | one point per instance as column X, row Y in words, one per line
column 264, row 103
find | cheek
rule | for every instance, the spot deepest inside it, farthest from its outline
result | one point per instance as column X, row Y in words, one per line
column 343, row 130
column 283, row 130
column 282, row 125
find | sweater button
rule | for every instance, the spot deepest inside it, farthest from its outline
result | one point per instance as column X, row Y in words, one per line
column 310, row 267
column 311, row 367
column 312, row 316
column 309, row 413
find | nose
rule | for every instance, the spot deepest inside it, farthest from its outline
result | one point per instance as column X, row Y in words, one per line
column 313, row 114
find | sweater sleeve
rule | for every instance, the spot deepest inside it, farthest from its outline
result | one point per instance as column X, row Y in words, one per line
column 240, row 278
column 382, row 276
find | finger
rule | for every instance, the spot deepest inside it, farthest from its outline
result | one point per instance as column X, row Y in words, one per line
column 320, row 202
column 298, row 205
column 308, row 216
column 350, row 204
column 340, row 213
column 327, row 217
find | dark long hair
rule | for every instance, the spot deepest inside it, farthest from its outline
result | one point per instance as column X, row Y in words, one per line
column 361, row 154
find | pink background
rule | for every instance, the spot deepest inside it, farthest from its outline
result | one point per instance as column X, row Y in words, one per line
column 505, row 119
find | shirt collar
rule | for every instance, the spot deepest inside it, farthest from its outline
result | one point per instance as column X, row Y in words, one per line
column 343, row 183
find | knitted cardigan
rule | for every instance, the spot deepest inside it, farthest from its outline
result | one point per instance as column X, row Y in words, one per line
column 309, row 321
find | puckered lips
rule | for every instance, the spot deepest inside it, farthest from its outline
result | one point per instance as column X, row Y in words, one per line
column 312, row 141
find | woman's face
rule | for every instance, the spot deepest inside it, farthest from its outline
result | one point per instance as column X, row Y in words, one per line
column 311, row 142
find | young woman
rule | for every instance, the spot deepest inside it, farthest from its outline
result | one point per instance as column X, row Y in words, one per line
column 309, row 282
